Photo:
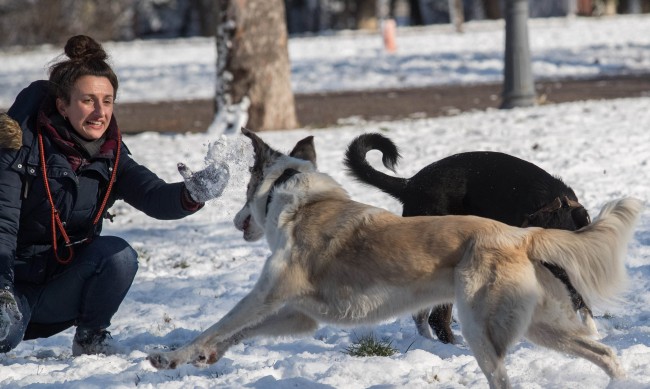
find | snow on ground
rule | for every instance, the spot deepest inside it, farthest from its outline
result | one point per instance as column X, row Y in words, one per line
column 192, row 271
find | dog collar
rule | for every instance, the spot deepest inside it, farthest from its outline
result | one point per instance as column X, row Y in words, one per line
column 288, row 173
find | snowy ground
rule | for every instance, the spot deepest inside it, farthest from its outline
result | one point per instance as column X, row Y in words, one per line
column 194, row 270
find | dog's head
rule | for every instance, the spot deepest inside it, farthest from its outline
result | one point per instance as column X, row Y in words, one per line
column 268, row 166
column 562, row 213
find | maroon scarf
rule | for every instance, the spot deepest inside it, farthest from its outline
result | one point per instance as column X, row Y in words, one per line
column 58, row 131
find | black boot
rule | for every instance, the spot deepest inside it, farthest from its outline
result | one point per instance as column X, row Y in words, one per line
column 89, row 341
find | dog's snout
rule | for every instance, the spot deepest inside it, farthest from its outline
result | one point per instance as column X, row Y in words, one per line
column 242, row 223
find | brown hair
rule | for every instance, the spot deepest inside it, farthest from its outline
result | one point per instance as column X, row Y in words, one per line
column 86, row 57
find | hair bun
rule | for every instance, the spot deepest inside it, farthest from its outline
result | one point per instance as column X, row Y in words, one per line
column 84, row 47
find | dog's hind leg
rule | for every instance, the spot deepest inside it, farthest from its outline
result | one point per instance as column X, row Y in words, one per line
column 567, row 338
column 496, row 296
column 578, row 302
column 489, row 356
column 587, row 317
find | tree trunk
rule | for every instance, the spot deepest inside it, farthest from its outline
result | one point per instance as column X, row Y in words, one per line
column 585, row 7
column 457, row 14
column 253, row 69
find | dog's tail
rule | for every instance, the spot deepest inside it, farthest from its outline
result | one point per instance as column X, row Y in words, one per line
column 594, row 256
column 359, row 168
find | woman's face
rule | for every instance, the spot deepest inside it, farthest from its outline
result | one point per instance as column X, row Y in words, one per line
column 91, row 106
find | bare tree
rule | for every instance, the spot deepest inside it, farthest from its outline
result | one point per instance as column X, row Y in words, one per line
column 253, row 69
column 457, row 14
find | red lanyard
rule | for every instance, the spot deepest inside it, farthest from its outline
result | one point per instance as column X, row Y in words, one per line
column 56, row 219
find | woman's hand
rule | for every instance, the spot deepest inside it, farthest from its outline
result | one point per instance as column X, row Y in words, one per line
column 205, row 184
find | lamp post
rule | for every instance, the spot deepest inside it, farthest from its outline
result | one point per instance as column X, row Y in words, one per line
column 518, row 85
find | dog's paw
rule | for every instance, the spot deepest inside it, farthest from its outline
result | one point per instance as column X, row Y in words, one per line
column 172, row 359
column 205, row 359
column 162, row 361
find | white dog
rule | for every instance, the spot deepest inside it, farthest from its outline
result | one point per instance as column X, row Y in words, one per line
column 338, row 261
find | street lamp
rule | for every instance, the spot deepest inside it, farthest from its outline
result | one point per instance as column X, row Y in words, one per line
column 518, row 85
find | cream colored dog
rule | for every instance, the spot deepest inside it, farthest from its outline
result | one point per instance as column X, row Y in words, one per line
column 335, row 260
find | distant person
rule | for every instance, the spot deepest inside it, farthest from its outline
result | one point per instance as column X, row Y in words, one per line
column 62, row 166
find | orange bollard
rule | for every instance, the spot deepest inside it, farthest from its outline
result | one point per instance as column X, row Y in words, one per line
column 388, row 29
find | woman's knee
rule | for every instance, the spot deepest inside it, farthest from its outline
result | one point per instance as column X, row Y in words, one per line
column 120, row 258
column 111, row 256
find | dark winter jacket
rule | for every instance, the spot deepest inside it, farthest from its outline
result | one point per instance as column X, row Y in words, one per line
column 26, row 252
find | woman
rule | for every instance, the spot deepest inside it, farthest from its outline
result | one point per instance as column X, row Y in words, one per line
column 62, row 166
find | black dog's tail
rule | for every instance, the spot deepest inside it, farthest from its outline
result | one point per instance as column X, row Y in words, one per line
column 359, row 168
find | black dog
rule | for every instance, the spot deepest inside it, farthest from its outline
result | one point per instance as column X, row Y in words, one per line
column 488, row 184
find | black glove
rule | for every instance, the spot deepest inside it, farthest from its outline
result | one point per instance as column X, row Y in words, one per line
column 10, row 315
column 206, row 184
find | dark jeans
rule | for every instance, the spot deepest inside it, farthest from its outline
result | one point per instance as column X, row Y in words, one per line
column 86, row 293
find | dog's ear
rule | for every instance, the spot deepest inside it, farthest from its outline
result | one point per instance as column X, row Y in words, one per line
column 305, row 150
column 258, row 144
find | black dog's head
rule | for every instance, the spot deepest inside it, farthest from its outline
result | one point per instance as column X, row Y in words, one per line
column 563, row 213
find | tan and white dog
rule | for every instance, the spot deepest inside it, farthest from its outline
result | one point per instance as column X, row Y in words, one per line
column 335, row 260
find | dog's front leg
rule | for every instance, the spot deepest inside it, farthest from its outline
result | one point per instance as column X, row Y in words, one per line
column 203, row 350
column 286, row 322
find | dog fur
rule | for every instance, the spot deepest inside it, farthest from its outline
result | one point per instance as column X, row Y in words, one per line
column 335, row 260
column 482, row 183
